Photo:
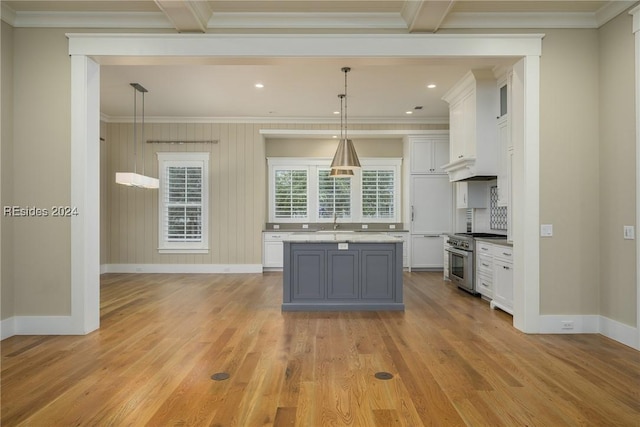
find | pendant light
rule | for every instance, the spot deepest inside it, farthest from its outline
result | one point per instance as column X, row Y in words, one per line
column 134, row 179
column 341, row 172
column 345, row 157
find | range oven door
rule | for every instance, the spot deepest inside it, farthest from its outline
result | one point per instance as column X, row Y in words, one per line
column 461, row 268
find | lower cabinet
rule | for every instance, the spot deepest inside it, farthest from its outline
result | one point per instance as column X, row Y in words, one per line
column 445, row 261
column 320, row 276
column 272, row 249
column 494, row 274
column 426, row 251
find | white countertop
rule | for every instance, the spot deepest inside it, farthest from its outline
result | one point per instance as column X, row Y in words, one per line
column 344, row 236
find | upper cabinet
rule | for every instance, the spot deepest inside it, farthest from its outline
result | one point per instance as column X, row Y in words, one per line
column 429, row 153
column 473, row 137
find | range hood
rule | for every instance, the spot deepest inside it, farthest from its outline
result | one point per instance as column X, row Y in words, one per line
column 473, row 131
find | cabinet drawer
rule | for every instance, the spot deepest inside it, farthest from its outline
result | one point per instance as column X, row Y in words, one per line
column 484, row 264
column 484, row 285
column 503, row 252
column 484, row 248
column 277, row 237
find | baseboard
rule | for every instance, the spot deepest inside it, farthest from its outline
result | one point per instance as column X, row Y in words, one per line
column 38, row 325
column 181, row 268
column 591, row 324
column 7, row 328
column 581, row 324
column 625, row 334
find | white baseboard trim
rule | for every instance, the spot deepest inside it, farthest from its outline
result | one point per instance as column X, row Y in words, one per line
column 38, row 325
column 590, row 324
column 181, row 268
column 582, row 324
column 7, row 328
column 625, row 334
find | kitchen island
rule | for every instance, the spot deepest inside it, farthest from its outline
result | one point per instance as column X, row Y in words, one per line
column 342, row 271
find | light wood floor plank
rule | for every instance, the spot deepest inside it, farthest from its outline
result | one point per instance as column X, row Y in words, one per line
column 454, row 361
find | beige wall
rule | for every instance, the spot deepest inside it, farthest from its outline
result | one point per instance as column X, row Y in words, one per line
column 617, row 171
column 569, row 172
column 6, row 180
column 237, row 200
column 41, row 175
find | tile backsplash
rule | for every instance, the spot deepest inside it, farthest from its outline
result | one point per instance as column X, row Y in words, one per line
column 497, row 214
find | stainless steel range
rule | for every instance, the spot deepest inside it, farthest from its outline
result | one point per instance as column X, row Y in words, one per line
column 461, row 259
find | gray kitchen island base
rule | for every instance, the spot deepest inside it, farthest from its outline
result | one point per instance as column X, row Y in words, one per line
column 344, row 274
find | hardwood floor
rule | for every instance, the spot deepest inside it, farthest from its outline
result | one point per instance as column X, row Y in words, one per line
column 454, row 362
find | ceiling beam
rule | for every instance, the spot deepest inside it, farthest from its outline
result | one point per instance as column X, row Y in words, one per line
column 187, row 16
column 425, row 16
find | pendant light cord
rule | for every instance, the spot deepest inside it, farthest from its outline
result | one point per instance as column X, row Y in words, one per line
column 135, row 131
column 346, row 70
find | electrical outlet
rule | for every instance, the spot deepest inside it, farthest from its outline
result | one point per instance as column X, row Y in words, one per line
column 567, row 324
column 392, row 226
column 365, row 226
column 629, row 232
column 305, row 225
column 276, row 227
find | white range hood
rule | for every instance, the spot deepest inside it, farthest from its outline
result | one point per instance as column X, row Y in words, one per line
column 473, row 132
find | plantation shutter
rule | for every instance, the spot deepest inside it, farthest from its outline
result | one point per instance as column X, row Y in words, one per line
column 183, row 201
column 291, row 194
column 334, row 196
column 378, row 194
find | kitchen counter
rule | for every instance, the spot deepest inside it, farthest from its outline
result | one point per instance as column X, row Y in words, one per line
column 343, row 271
column 340, row 230
column 341, row 237
column 495, row 240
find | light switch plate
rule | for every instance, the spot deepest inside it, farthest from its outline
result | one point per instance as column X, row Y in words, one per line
column 546, row 230
column 343, row 246
column 629, row 232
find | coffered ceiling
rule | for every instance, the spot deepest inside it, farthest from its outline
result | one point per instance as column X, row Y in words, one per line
column 297, row 89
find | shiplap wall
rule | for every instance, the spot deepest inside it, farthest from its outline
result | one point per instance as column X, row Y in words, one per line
column 238, row 190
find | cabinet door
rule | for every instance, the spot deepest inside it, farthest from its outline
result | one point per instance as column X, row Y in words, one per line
column 440, row 154
column 421, row 156
column 273, row 254
column 342, row 274
column 456, row 131
column 503, row 284
column 469, row 126
column 308, row 279
column 405, row 247
column 377, row 274
column 504, row 179
column 431, row 199
column 426, row 251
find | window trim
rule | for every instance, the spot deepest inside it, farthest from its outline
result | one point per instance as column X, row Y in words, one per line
column 183, row 159
column 312, row 164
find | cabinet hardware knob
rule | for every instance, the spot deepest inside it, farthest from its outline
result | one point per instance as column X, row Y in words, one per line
column 505, row 267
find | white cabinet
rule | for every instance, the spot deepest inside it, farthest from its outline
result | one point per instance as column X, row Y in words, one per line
column 473, row 142
column 503, row 285
column 472, row 194
column 426, row 251
column 272, row 249
column 429, row 153
column 405, row 246
column 494, row 274
column 431, row 200
column 504, row 176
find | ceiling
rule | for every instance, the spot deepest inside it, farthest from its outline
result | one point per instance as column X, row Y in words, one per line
column 297, row 89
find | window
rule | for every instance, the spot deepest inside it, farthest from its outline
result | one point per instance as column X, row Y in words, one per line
column 291, row 194
column 334, row 196
column 301, row 190
column 183, row 202
column 378, row 194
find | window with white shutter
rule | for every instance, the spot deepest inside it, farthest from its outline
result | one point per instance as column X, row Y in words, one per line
column 183, row 201
column 291, row 194
column 378, row 194
column 334, row 196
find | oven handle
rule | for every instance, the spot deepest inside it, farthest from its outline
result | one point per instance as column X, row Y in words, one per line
column 458, row 252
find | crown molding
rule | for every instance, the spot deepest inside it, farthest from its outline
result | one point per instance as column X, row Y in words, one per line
column 90, row 20
column 330, row 133
column 279, row 120
column 488, row 20
column 7, row 14
column 612, row 9
column 298, row 20
column 635, row 12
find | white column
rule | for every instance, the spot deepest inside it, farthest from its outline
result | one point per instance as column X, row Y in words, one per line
column 526, row 193
column 636, row 31
column 85, row 194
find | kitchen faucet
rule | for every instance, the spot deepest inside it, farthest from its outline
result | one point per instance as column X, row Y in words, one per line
column 335, row 220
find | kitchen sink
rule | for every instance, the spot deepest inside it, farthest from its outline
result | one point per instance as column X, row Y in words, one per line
column 335, row 231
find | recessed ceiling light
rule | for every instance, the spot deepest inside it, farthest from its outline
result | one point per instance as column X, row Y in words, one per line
column 409, row 112
column 259, row 85
column 431, row 86
column 335, row 136
column 336, row 112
